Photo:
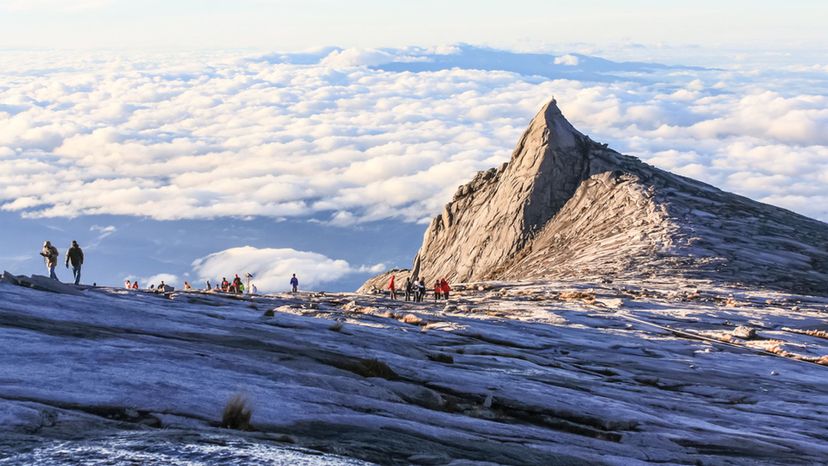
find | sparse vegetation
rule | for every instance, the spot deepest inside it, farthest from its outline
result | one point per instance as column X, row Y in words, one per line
column 237, row 413
column 269, row 313
column 336, row 326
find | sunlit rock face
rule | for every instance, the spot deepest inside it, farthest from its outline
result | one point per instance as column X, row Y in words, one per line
column 566, row 206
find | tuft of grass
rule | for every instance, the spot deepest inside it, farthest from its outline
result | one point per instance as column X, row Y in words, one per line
column 336, row 326
column 237, row 413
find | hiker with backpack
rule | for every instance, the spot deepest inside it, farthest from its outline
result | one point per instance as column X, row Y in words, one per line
column 294, row 284
column 50, row 256
column 75, row 256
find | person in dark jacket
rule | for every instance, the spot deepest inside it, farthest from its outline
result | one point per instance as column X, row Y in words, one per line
column 50, row 256
column 408, row 288
column 421, row 288
column 294, row 283
column 75, row 256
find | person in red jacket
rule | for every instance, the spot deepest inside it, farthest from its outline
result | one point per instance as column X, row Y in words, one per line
column 445, row 288
column 135, row 285
column 393, row 287
column 438, row 290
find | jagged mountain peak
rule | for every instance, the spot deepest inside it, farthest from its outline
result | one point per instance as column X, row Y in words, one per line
column 565, row 206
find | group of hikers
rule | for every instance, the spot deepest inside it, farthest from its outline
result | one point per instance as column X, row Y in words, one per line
column 415, row 290
column 74, row 256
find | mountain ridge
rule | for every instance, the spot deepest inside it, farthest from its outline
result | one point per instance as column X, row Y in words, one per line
column 565, row 206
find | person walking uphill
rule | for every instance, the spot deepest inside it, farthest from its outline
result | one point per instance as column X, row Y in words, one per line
column 50, row 256
column 294, row 283
column 75, row 256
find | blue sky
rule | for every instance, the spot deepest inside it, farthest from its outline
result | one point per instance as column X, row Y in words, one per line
column 185, row 140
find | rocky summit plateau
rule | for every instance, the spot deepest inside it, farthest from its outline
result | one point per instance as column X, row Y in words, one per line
column 603, row 311
column 567, row 207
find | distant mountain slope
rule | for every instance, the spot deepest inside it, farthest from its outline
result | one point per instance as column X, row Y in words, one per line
column 565, row 206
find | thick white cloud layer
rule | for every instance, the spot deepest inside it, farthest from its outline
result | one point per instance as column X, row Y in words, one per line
column 272, row 268
column 212, row 135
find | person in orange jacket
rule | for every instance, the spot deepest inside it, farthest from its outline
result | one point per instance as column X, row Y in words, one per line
column 393, row 287
column 445, row 288
column 438, row 290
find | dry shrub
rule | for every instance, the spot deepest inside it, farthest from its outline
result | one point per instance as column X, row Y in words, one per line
column 237, row 413
column 584, row 296
column 269, row 313
column 336, row 326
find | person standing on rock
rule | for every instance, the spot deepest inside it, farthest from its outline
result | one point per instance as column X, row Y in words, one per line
column 50, row 256
column 294, row 283
column 408, row 288
column 445, row 288
column 437, row 290
column 393, row 287
column 421, row 289
column 75, row 256
column 237, row 284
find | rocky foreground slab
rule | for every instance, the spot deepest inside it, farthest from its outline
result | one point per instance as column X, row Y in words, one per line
column 508, row 373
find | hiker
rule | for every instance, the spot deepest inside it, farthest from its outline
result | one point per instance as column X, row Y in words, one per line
column 437, row 290
column 75, row 256
column 294, row 283
column 135, row 285
column 421, row 288
column 237, row 284
column 208, row 286
column 445, row 288
column 50, row 256
column 225, row 285
column 187, row 286
column 162, row 287
column 127, row 284
column 393, row 287
column 408, row 288
column 253, row 289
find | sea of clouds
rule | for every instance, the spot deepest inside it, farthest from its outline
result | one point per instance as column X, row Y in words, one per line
column 351, row 136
